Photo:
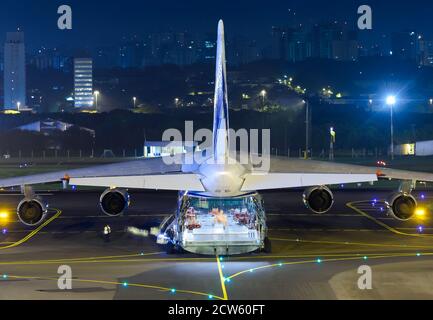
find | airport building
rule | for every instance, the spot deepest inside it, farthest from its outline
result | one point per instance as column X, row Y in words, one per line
column 83, row 83
column 14, row 71
column 419, row 148
column 49, row 126
column 154, row 149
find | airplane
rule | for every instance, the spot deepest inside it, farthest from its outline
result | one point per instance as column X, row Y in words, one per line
column 220, row 210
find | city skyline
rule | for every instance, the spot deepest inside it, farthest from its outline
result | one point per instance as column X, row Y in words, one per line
column 97, row 23
column 292, row 36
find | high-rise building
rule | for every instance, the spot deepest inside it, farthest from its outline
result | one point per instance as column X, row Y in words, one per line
column 334, row 40
column 426, row 53
column 279, row 43
column 406, row 45
column 241, row 50
column 83, row 83
column 14, row 71
column 299, row 45
column 50, row 58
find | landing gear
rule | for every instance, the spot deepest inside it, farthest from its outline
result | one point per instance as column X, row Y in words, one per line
column 267, row 245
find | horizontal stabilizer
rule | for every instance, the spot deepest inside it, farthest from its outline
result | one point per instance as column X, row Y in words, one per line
column 157, row 182
column 293, row 180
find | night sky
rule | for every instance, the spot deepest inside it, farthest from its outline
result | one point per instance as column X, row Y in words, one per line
column 97, row 22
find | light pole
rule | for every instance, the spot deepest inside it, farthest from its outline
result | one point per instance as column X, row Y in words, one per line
column 18, row 105
column 391, row 101
column 134, row 99
column 332, row 142
column 263, row 94
column 307, row 127
column 176, row 102
column 96, row 94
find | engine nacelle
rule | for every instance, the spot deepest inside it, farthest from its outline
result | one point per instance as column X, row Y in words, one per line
column 318, row 199
column 114, row 202
column 32, row 212
column 401, row 206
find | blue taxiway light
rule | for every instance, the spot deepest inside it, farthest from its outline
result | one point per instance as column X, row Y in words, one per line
column 5, row 276
column 420, row 228
column 422, row 196
column 365, row 258
column 173, row 290
column 418, row 254
column 280, row 264
column 210, row 296
column 251, row 270
column 227, row 279
column 221, row 258
column 125, row 284
column 4, row 231
column 319, row 260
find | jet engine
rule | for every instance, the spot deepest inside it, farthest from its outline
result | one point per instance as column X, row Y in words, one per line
column 114, row 202
column 401, row 206
column 318, row 199
column 32, row 211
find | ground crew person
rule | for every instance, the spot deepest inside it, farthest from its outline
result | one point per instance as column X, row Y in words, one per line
column 107, row 232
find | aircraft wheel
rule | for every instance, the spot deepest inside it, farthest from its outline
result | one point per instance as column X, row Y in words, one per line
column 267, row 246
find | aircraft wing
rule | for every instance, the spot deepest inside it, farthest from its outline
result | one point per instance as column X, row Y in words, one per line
column 140, row 167
column 292, row 173
column 294, row 180
column 281, row 165
column 180, row 181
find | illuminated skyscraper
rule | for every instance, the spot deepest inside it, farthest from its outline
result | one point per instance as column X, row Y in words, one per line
column 83, row 83
column 14, row 71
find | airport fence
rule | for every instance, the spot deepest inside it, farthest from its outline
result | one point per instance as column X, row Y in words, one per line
column 51, row 154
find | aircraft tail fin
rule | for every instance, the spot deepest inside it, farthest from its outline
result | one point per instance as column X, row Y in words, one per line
column 221, row 109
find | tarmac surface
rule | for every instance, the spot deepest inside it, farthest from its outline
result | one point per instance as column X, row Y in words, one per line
column 313, row 256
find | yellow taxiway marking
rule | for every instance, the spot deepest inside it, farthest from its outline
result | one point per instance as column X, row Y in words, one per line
column 380, row 245
column 34, row 232
column 222, row 279
column 41, row 262
column 122, row 258
column 127, row 284
column 85, row 259
column 382, row 256
column 186, row 260
column 351, row 205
